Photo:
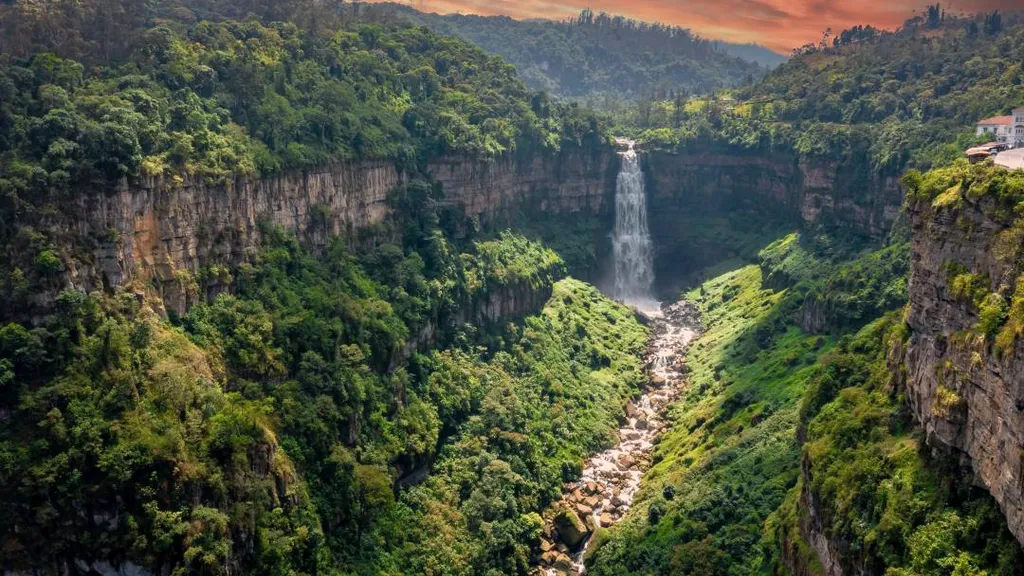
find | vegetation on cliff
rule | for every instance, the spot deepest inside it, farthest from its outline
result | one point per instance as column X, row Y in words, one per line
column 878, row 498
column 999, row 194
column 266, row 432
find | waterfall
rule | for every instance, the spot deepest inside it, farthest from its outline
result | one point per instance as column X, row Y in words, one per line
column 631, row 240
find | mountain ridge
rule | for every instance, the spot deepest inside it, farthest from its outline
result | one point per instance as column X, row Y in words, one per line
column 596, row 54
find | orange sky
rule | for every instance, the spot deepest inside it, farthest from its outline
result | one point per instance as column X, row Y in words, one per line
column 778, row 24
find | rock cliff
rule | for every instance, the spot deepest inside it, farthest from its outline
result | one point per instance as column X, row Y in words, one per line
column 753, row 191
column 967, row 395
column 824, row 555
column 163, row 232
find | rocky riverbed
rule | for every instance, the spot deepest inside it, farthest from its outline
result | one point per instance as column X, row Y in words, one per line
column 610, row 479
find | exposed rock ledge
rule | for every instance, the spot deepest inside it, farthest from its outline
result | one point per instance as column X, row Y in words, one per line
column 968, row 399
column 159, row 230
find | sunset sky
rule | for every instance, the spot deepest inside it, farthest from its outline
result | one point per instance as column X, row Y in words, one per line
column 778, row 24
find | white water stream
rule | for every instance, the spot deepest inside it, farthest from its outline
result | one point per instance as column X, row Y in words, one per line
column 610, row 479
column 631, row 239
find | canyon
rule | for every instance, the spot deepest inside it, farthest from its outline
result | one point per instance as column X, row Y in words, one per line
column 162, row 236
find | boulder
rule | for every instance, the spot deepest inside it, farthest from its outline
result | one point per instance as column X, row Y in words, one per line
column 563, row 563
column 571, row 530
column 606, row 520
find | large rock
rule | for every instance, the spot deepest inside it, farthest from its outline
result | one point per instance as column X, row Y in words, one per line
column 563, row 564
column 571, row 530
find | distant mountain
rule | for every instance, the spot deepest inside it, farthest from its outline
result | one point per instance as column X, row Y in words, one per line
column 598, row 54
column 754, row 53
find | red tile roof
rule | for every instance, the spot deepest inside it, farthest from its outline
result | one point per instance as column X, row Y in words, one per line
column 996, row 121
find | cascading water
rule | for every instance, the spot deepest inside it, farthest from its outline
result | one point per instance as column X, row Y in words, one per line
column 610, row 480
column 631, row 240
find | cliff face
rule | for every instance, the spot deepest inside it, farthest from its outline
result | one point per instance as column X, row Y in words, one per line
column 826, row 560
column 163, row 232
column 753, row 190
column 968, row 397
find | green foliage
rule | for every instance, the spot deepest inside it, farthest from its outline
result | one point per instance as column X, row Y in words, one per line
column 512, row 260
column 863, row 289
column 535, row 410
column 1014, row 327
column 876, row 489
column 948, row 187
column 223, row 99
column 786, row 262
column 596, row 56
column 120, row 445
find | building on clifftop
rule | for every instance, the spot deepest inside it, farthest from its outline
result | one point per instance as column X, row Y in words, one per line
column 1000, row 128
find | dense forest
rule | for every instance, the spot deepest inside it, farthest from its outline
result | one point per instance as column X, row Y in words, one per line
column 892, row 99
column 412, row 397
column 598, row 57
column 218, row 99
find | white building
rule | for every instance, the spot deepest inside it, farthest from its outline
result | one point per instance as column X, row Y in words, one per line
column 1018, row 127
column 1000, row 128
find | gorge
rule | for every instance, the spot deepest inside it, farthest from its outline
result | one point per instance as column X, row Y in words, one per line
column 288, row 288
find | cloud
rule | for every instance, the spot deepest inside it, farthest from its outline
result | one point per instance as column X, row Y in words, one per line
column 779, row 24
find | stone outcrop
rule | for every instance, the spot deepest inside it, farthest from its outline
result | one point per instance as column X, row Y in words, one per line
column 814, row 554
column 968, row 398
column 161, row 229
column 163, row 232
column 570, row 529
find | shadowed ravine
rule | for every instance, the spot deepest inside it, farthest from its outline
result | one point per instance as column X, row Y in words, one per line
column 610, row 479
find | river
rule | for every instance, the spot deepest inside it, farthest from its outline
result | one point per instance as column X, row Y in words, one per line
column 610, row 480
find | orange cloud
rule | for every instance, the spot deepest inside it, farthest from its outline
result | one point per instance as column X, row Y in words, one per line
column 778, row 24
